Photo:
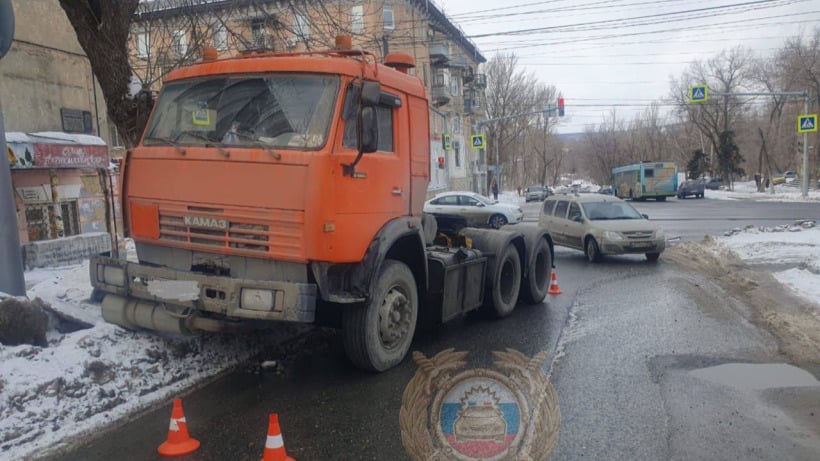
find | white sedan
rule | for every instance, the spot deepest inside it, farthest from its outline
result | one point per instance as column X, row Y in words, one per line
column 477, row 210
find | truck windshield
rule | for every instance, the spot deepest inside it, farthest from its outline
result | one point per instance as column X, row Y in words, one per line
column 271, row 110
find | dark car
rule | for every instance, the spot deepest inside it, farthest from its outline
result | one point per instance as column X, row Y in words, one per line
column 692, row 187
column 714, row 183
column 536, row 193
column 605, row 190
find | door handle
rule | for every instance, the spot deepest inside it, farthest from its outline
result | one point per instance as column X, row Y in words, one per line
column 397, row 191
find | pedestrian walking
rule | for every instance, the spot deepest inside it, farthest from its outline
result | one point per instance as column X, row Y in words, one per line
column 495, row 190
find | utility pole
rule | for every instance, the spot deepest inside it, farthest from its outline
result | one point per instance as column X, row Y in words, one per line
column 11, row 264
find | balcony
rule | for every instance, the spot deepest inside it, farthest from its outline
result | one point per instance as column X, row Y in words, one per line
column 439, row 53
column 440, row 95
column 458, row 63
column 480, row 81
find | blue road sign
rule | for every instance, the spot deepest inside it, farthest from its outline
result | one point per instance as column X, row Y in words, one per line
column 698, row 93
column 807, row 123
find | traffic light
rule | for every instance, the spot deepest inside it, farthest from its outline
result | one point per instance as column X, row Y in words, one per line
column 441, row 163
column 560, row 107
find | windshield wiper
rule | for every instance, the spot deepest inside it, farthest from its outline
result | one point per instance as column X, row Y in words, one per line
column 165, row 142
column 208, row 141
column 267, row 147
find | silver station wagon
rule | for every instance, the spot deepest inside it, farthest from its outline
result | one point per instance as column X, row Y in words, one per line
column 601, row 225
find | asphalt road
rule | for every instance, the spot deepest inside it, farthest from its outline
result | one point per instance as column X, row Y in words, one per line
column 628, row 343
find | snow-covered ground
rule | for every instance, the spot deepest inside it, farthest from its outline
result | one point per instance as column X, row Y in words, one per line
column 92, row 377
column 782, row 193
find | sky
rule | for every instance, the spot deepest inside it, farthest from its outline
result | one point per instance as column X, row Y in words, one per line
column 620, row 54
column 87, row 378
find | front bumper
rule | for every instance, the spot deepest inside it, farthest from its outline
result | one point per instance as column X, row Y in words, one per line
column 142, row 290
column 619, row 247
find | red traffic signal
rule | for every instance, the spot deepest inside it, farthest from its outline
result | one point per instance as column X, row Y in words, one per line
column 560, row 107
column 441, row 162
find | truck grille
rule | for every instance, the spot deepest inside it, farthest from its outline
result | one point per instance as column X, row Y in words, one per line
column 280, row 236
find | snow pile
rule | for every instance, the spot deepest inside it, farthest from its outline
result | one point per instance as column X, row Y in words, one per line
column 794, row 249
column 94, row 373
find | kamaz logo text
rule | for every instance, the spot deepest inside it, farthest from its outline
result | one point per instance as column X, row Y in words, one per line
column 206, row 222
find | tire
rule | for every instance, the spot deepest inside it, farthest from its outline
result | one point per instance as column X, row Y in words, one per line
column 366, row 328
column 652, row 257
column 592, row 250
column 506, row 283
column 539, row 270
column 497, row 221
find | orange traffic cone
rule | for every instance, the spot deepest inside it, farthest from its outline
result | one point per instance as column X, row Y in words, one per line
column 274, row 445
column 554, row 289
column 179, row 442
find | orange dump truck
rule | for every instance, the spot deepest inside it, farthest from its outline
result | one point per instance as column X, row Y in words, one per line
column 289, row 188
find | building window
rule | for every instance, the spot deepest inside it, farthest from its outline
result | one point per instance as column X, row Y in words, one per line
column 114, row 138
column 258, row 33
column 301, row 27
column 357, row 19
column 442, row 79
column 457, row 153
column 180, row 42
column 454, row 86
column 221, row 38
column 424, row 67
column 387, row 17
column 457, row 124
column 143, row 44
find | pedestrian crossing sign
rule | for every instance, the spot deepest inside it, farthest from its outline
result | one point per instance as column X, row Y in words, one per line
column 698, row 93
column 807, row 123
column 478, row 141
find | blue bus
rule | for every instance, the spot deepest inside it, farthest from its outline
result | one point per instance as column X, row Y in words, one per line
column 640, row 181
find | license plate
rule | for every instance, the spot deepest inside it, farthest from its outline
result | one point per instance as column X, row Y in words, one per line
column 174, row 290
column 642, row 245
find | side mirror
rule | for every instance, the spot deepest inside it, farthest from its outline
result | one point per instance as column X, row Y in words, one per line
column 645, row 216
column 370, row 130
column 371, row 93
column 481, row 205
column 6, row 26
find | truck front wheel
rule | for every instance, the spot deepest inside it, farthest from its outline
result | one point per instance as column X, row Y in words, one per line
column 377, row 334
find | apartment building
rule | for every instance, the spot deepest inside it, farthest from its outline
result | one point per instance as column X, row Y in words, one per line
column 170, row 33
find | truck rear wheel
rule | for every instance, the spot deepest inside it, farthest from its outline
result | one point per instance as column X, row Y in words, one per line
column 537, row 281
column 506, row 283
column 377, row 334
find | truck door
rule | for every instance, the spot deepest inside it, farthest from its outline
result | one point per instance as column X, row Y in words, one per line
column 380, row 188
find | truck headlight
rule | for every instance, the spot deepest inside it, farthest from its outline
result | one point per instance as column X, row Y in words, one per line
column 613, row 236
column 111, row 275
column 257, row 300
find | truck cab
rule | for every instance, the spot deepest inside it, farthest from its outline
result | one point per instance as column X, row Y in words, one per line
column 286, row 187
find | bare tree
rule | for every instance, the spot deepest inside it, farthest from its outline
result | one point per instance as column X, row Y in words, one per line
column 102, row 30
column 728, row 72
column 509, row 92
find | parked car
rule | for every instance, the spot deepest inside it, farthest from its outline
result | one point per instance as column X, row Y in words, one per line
column 713, row 183
column 477, row 210
column 536, row 193
column 607, row 190
column 692, row 187
column 601, row 225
